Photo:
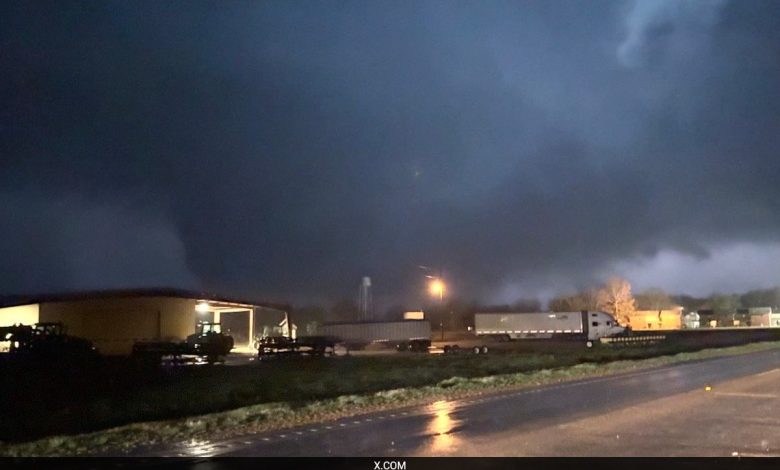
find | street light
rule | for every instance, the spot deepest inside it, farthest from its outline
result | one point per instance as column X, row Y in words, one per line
column 437, row 288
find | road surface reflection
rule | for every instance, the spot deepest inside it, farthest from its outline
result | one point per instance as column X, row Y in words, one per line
column 441, row 428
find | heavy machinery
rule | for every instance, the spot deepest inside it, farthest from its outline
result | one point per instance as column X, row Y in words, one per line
column 45, row 341
column 208, row 342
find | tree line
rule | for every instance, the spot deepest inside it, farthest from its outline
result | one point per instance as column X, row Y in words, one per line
column 614, row 297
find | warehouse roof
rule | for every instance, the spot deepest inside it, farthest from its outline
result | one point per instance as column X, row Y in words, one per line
column 16, row 300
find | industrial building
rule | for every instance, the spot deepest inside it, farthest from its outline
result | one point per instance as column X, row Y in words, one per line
column 711, row 318
column 669, row 319
column 764, row 316
column 114, row 320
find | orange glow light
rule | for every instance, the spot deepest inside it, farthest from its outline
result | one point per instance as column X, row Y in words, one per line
column 437, row 288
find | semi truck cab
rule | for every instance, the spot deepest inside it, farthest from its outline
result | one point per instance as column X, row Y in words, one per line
column 601, row 325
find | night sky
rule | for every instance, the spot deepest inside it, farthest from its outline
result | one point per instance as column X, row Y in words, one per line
column 285, row 149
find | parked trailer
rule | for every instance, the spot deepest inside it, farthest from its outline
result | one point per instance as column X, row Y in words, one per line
column 280, row 346
column 459, row 347
column 208, row 342
column 463, row 343
column 407, row 335
column 580, row 326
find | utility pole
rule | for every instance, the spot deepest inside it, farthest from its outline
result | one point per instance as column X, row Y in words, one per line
column 437, row 290
column 441, row 302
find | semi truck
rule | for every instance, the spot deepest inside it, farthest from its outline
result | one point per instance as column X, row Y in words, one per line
column 584, row 326
column 406, row 335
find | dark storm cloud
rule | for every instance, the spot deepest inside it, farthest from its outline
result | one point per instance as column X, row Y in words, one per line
column 666, row 24
column 286, row 150
column 82, row 241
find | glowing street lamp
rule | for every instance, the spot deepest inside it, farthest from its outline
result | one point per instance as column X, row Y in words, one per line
column 437, row 288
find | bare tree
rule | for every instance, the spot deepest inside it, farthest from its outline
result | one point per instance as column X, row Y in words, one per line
column 527, row 305
column 589, row 299
column 344, row 310
column 761, row 298
column 653, row 299
column 585, row 300
column 723, row 303
column 615, row 298
column 564, row 303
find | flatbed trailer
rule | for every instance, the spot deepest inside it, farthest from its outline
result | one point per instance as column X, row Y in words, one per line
column 208, row 342
column 281, row 346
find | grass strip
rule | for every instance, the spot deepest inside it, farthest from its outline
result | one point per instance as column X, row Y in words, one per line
column 280, row 415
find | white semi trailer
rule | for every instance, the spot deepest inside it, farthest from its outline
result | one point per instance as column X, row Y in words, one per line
column 586, row 326
column 407, row 335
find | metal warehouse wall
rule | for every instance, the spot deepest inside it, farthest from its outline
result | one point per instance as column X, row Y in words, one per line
column 655, row 320
column 114, row 324
column 24, row 314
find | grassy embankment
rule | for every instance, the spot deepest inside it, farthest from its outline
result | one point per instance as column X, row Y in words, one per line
column 294, row 392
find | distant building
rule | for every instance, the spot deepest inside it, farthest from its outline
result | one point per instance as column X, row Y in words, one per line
column 669, row 319
column 741, row 317
column 708, row 318
column 691, row 320
column 764, row 316
column 414, row 315
column 721, row 319
column 115, row 319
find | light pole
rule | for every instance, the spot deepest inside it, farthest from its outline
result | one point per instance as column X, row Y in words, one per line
column 436, row 289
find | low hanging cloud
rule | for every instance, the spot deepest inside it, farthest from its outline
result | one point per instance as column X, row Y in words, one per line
column 72, row 243
column 730, row 268
column 268, row 150
column 653, row 25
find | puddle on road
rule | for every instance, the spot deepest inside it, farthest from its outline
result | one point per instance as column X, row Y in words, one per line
column 441, row 427
column 199, row 448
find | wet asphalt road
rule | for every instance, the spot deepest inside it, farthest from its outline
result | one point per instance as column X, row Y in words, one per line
column 526, row 422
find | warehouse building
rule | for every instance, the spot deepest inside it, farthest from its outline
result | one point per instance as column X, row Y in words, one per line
column 764, row 316
column 114, row 320
column 668, row 319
